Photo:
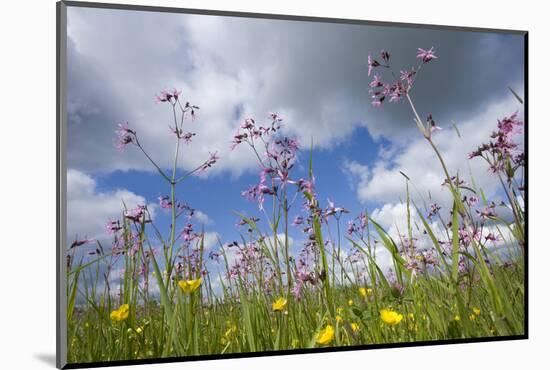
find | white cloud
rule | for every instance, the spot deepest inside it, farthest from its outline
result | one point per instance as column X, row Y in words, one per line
column 357, row 173
column 236, row 67
column 382, row 182
column 211, row 240
column 202, row 217
column 393, row 218
column 89, row 210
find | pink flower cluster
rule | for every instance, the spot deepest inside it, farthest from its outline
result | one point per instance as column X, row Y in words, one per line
column 395, row 90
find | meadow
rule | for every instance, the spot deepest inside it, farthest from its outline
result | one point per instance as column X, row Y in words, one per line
column 457, row 270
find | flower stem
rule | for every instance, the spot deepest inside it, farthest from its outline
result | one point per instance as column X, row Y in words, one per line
column 173, row 200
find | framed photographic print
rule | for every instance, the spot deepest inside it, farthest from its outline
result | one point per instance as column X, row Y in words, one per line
column 235, row 184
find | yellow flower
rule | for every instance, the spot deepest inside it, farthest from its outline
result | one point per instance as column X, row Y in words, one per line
column 228, row 333
column 189, row 286
column 121, row 313
column 390, row 317
column 338, row 319
column 350, row 303
column 457, row 318
column 365, row 292
column 279, row 304
column 411, row 316
column 354, row 326
column 115, row 315
column 139, row 330
column 476, row 311
column 231, row 330
column 326, row 335
column 339, row 310
column 472, row 317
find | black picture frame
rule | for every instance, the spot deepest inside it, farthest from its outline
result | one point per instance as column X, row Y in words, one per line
column 61, row 167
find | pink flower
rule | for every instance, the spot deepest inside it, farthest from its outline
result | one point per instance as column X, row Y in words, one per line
column 137, row 214
column 78, row 243
column 492, row 237
column 297, row 290
column 434, row 210
column 237, row 139
column 433, row 126
column 210, row 162
column 165, row 202
column 170, row 96
column 298, row 220
column 248, row 124
column 113, row 227
column 510, row 125
column 378, row 103
column 372, row 63
column 188, row 136
column 190, row 107
column 188, row 234
column 385, row 56
column 487, row 212
column 396, row 91
column 376, row 81
column 275, row 117
column 426, row 55
column 263, row 174
column 472, row 201
column 408, row 76
column 125, row 136
column 332, row 210
column 305, row 185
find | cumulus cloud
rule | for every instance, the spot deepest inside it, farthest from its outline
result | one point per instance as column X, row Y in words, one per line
column 89, row 209
column 202, row 217
column 382, row 182
column 314, row 74
column 211, row 240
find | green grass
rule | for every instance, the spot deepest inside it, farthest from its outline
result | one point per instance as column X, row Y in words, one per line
column 473, row 291
column 429, row 308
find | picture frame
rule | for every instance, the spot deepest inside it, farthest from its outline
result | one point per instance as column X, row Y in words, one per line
column 396, row 293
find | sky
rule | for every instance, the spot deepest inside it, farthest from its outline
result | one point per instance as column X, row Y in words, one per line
column 313, row 74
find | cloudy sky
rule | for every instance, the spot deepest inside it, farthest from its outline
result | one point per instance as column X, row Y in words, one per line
column 313, row 74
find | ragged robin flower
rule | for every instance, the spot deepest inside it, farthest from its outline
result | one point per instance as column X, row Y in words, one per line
column 121, row 313
column 189, row 286
column 390, row 317
column 279, row 304
column 326, row 335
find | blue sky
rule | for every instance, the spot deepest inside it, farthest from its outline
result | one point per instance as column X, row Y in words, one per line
column 219, row 196
column 313, row 74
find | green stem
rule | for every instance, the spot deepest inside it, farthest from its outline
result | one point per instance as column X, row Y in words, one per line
column 152, row 161
column 173, row 208
column 287, row 259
